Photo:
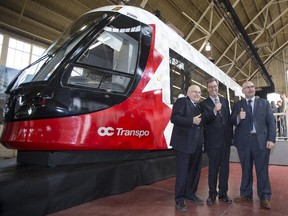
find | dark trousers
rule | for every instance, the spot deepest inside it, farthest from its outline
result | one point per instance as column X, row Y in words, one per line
column 188, row 169
column 218, row 166
column 261, row 161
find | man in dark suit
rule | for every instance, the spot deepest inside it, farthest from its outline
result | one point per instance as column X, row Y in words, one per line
column 255, row 135
column 218, row 134
column 187, row 141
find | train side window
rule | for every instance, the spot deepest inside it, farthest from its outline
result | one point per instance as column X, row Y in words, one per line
column 115, row 83
column 85, row 77
column 179, row 76
column 182, row 74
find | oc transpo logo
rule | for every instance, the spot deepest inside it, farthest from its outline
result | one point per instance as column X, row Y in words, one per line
column 105, row 131
column 110, row 131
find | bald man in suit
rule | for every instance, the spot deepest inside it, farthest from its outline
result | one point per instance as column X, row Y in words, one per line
column 187, row 141
column 255, row 135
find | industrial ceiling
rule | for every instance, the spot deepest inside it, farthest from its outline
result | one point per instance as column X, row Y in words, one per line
column 245, row 35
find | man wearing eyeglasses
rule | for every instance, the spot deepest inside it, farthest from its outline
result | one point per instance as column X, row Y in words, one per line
column 187, row 141
column 255, row 135
column 218, row 134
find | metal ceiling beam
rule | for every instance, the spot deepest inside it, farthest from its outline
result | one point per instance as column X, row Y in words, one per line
column 143, row 3
column 29, row 20
column 232, row 18
column 259, row 33
column 276, row 52
column 18, row 31
column 196, row 24
column 53, row 11
column 260, row 12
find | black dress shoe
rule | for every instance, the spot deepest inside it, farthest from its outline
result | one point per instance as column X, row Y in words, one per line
column 243, row 199
column 211, row 200
column 265, row 204
column 181, row 207
column 196, row 200
column 224, row 198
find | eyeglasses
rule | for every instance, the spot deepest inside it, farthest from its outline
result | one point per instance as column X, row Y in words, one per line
column 249, row 87
column 196, row 92
column 212, row 87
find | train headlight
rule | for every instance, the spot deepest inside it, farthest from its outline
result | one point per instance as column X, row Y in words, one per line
column 5, row 110
column 27, row 107
column 30, row 111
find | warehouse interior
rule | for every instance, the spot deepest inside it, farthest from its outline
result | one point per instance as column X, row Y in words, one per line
column 247, row 40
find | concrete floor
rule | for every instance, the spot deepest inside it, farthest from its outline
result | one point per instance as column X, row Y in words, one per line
column 157, row 199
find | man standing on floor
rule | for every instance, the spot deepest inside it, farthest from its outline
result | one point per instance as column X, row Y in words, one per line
column 218, row 134
column 255, row 135
column 284, row 109
column 187, row 141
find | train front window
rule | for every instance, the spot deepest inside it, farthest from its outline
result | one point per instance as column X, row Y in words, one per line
column 78, row 27
column 44, row 68
column 109, row 62
column 114, row 49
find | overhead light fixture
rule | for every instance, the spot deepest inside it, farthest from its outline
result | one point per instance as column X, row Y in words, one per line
column 208, row 47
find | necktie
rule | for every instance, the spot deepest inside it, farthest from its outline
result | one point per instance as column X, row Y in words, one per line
column 197, row 107
column 195, row 104
column 251, row 113
column 250, row 107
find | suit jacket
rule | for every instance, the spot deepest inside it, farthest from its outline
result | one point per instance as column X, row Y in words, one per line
column 218, row 129
column 263, row 119
column 186, row 136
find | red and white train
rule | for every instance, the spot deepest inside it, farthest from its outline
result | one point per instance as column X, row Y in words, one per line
column 108, row 83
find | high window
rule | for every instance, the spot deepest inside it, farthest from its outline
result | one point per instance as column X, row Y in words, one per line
column 20, row 54
column 1, row 43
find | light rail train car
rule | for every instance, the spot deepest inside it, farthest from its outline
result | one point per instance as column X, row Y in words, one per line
column 108, row 83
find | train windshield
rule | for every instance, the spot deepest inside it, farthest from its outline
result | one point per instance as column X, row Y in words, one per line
column 109, row 63
column 43, row 68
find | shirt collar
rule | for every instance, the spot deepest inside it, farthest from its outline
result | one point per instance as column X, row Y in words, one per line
column 252, row 99
column 195, row 103
column 213, row 99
